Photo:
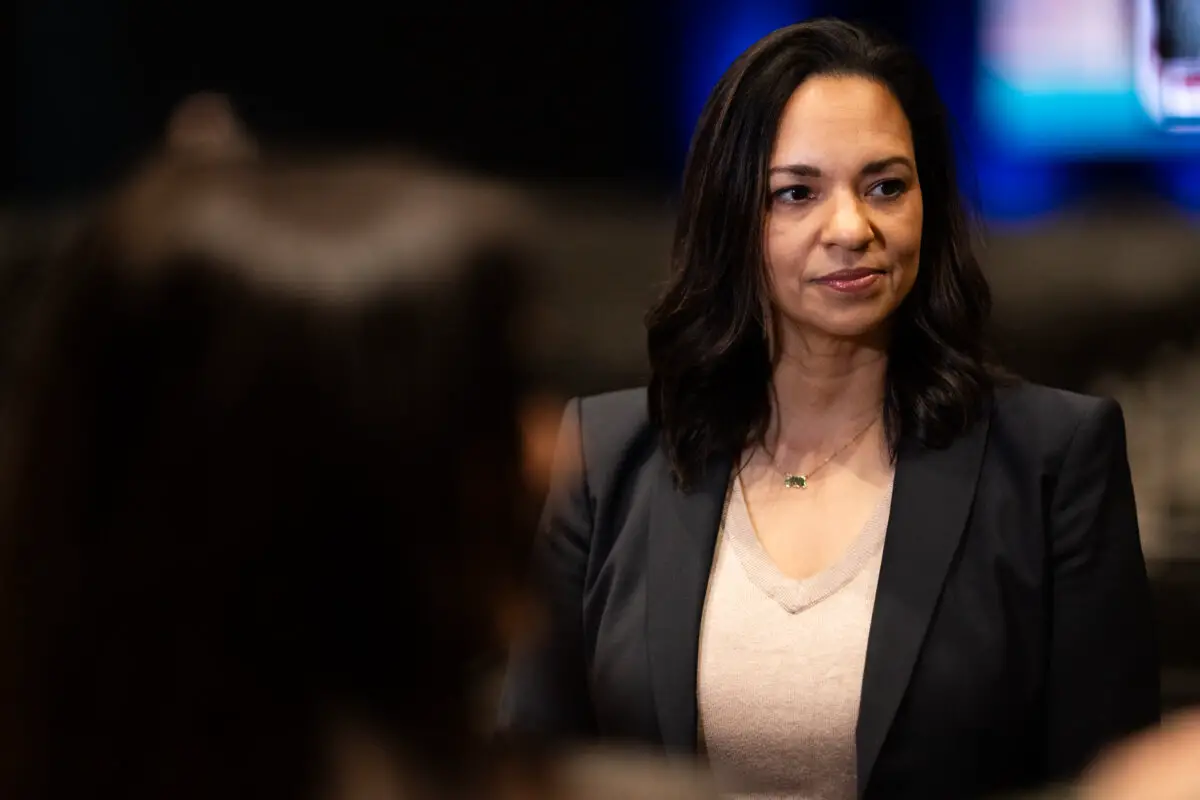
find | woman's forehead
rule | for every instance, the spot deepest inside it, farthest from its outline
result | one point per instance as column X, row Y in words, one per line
column 837, row 123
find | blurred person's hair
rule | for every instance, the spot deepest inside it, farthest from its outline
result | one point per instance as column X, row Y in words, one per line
column 710, row 390
column 262, row 475
column 30, row 239
column 202, row 126
column 206, row 125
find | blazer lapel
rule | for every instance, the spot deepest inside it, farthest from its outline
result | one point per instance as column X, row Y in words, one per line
column 683, row 534
column 931, row 500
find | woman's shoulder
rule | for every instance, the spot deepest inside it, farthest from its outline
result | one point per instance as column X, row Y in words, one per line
column 624, row 410
column 1023, row 397
column 611, row 424
column 611, row 440
column 1029, row 400
column 1051, row 417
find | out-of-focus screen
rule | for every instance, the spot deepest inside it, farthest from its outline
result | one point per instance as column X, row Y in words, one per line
column 1091, row 78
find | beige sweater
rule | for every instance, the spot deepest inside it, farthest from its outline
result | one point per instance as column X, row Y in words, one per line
column 781, row 663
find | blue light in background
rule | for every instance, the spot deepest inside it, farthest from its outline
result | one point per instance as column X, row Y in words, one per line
column 1003, row 185
column 1076, row 125
column 1012, row 190
column 1180, row 181
column 715, row 33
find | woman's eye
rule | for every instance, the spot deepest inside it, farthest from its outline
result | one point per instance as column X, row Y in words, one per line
column 793, row 194
column 888, row 189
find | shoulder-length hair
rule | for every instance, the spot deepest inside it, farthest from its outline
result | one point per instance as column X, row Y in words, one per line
column 260, row 471
column 710, row 391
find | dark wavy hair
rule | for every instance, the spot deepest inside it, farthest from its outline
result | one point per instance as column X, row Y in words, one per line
column 711, row 368
column 261, row 472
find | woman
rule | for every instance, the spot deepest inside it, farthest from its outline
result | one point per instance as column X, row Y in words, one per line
column 260, row 513
column 828, row 547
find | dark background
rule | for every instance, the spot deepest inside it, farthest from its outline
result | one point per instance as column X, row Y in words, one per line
column 544, row 90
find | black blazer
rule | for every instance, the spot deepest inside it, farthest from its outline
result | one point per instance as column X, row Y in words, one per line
column 1011, row 637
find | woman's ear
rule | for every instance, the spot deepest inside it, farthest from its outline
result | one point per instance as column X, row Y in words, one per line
column 205, row 125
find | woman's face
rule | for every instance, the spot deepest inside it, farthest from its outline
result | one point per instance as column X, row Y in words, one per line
column 843, row 233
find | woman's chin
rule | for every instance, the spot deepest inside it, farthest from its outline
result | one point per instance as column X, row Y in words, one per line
column 865, row 325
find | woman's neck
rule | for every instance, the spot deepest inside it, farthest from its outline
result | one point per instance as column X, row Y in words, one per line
column 825, row 392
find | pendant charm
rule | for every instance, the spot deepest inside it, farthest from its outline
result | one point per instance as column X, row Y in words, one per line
column 795, row 481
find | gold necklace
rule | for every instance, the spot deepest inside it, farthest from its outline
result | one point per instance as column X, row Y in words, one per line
column 799, row 480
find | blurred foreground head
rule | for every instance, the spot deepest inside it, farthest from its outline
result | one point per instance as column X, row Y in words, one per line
column 261, row 475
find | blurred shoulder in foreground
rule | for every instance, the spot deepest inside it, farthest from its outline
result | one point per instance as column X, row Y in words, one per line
column 1160, row 764
column 263, row 525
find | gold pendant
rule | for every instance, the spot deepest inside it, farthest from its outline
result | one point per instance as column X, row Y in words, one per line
column 795, row 481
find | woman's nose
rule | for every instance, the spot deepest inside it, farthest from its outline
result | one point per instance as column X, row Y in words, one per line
column 848, row 225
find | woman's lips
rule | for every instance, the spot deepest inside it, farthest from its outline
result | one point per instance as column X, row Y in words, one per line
column 850, row 280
